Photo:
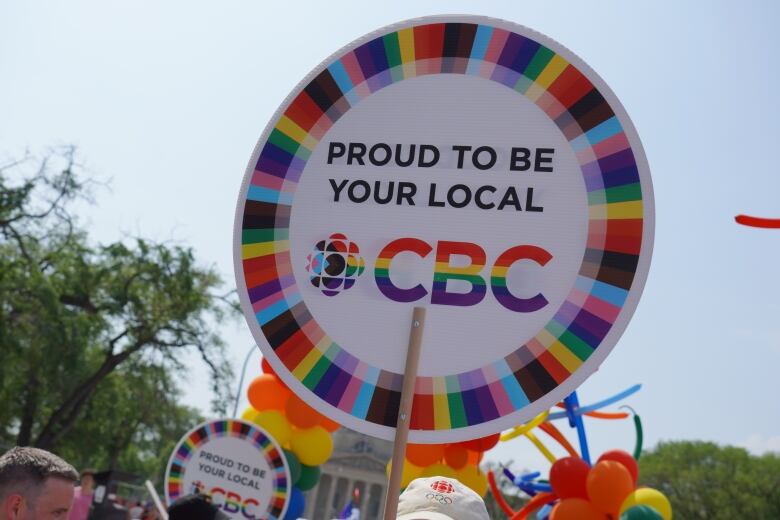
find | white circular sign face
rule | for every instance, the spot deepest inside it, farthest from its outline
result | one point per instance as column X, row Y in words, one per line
column 237, row 464
column 464, row 164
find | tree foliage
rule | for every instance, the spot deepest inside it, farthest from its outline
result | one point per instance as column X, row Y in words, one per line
column 704, row 480
column 92, row 336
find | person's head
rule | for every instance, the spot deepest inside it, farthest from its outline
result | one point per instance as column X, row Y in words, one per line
column 35, row 485
column 195, row 507
column 440, row 498
column 87, row 478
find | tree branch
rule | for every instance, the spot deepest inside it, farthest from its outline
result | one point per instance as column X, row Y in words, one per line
column 61, row 421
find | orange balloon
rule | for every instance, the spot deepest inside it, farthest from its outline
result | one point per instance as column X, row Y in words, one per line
column 456, row 456
column 329, row 425
column 266, row 392
column 609, row 483
column 301, row 414
column 576, row 509
column 474, row 457
column 626, row 459
column 424, row 455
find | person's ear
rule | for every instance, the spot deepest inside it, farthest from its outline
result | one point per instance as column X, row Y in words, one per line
column 12, row 506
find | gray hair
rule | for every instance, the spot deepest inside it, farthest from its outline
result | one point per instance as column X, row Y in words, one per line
column 24, row 470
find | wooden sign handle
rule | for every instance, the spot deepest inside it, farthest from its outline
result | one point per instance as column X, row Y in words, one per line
column 404, row 413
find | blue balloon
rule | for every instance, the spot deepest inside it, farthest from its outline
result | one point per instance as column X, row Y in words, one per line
column 544, row 512
column 295, row 504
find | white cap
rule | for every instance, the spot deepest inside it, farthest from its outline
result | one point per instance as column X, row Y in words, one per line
column 440, row 498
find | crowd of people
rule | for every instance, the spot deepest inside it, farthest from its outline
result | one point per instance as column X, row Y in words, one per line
column 38, row 485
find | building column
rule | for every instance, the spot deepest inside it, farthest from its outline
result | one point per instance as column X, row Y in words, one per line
column 329, row 503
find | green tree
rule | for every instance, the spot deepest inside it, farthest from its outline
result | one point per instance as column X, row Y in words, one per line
column 92, row 336
column 704, row 480
column 132, row 422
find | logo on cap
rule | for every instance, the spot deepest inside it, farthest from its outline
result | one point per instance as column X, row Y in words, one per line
column 442, row 486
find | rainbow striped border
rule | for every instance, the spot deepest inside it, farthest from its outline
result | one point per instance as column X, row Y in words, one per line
column 209, row 431
column 607, row 287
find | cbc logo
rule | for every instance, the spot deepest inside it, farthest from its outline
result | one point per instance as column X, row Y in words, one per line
column 335, row 264
column 233, row 503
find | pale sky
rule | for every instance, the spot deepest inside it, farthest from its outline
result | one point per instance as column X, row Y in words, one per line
column 167, row 100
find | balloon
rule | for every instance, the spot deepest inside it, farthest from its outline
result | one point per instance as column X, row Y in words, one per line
column 761, row 222
column 641, row 512
column 310, row 475
column 544, row 512
column 266, row 392
column 456, row 456
column 249, row 415
column 301, row 414
column 295, row 505
column 329, row 425
column 609, row 483
column 648, row 497
column 439, row 470
column 498, row 496
column 265, row 366
column 536, row 502
column 601, row 404
column 424, row 454
column 568, row 476
column 313, row 446
column 275, row 424
column 626, row 459
column 294, row 465
column 576, row 509
column 483, row 443
column 409, row 473
column 472, row 477
column 474, row 457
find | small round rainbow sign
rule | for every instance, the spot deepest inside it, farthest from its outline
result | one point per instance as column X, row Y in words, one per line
column 237, row 464
column 461, row 163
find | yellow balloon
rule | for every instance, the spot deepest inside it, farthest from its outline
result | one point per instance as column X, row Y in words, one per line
column 249, row 415
column 438, row 470
column 472, row 477
column 649, row 497
column 275, row 423
column 312, row 446
column 409, row 473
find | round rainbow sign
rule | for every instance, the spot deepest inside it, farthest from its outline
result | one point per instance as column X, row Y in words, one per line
column 465, row 164
column 237, row 464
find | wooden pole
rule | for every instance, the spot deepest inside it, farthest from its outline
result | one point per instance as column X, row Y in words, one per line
column 404, row 413
column 157, row 502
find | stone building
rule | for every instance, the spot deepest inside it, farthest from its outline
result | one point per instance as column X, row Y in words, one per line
column 358, row 462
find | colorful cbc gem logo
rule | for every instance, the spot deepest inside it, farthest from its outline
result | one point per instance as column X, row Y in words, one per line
column 335, row 264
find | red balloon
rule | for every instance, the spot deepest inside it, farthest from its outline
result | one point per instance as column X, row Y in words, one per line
column 608, row 484
column 423, row 455
column 482, row 444
column 266, row 392
column 456, row 456
column 568, row 477
column 576, row 509
column 626, row 459
column 266, row 367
